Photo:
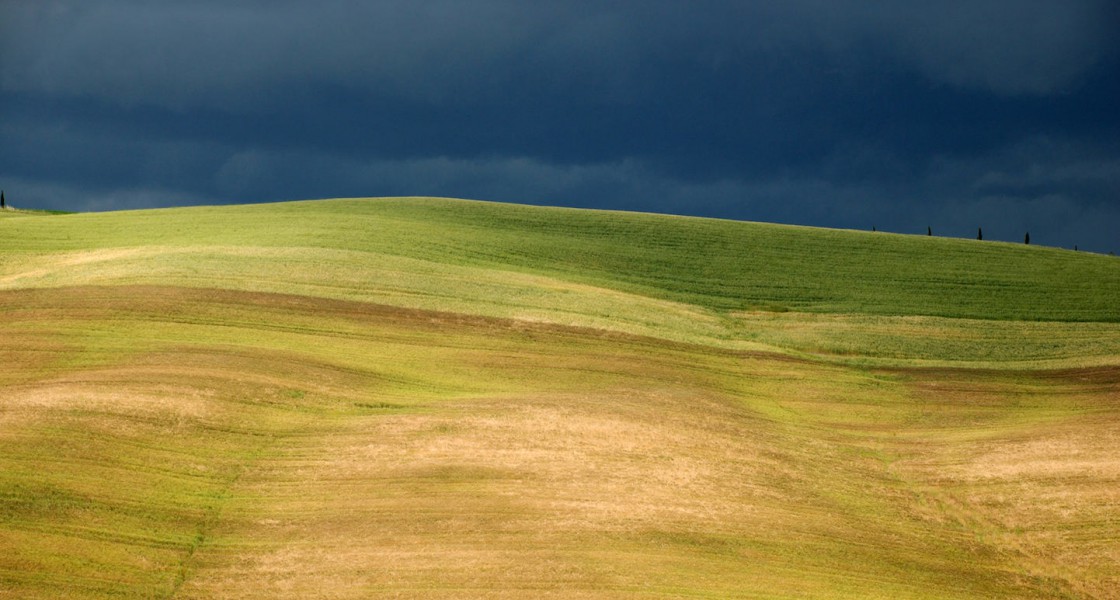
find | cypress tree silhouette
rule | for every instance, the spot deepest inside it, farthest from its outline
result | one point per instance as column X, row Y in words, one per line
column 979, row 233
column 1027, row 239
column 2, row 203
column 929, row 230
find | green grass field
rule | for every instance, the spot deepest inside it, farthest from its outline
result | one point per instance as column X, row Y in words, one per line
column 430, row 398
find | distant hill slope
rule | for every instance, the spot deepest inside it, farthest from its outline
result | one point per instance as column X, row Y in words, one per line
column 713, row 264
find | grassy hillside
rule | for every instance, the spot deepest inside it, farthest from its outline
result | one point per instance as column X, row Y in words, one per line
column 419, row 398
column 697, row 280
column 721, row 265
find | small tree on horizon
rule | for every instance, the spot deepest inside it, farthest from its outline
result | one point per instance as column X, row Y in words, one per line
column 2, row 203
column 1027, row 239
column 979, row 233
column 929, row 230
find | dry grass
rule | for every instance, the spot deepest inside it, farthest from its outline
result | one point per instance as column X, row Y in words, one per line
column 1048, row 493
column 199, row 444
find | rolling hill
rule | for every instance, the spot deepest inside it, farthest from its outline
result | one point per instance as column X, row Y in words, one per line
column 434, row 398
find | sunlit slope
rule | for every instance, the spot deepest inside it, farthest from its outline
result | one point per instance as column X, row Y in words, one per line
column 711, row 264
column 160, row 442
column 421, row 398
column 891, row 299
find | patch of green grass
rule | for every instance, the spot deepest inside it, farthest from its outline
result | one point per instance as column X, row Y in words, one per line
column 934, row 341
column 10, row 212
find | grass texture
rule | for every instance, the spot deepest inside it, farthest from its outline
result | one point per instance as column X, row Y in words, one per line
column 428, row 398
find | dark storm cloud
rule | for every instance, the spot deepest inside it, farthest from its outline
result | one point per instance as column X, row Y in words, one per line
column 835, row 113
column 231, row 55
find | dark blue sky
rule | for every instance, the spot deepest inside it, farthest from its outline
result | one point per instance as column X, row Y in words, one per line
column 994, row 113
